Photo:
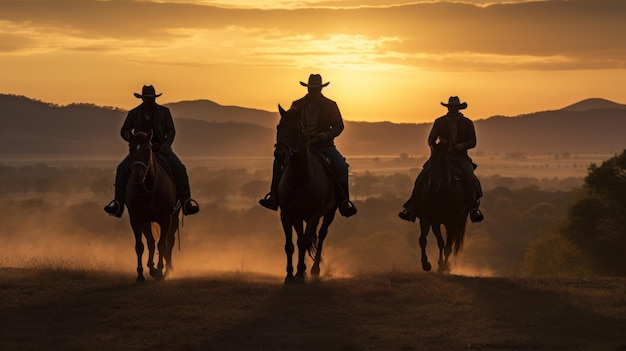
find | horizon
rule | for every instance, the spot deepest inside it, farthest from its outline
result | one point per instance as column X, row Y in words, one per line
column 401, row 57
column 260, row 109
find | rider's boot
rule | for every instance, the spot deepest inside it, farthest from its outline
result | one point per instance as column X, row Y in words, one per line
column 116, row 206
column 411, row 206
column 346, row 207
column 407, row 215
column 189, row 205
column 270, row 200
column 475, row 214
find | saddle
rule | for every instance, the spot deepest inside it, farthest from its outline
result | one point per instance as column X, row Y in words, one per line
column 162, row 160
column 325, row 162
column 458, row 177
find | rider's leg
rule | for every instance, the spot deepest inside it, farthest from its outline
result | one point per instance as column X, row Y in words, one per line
column 340, row 169
column 411, row 206
column 467, row 168
column 116, row 207
column 270, row 200
column 189, row 205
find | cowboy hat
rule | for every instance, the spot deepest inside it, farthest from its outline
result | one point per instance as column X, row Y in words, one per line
column 315, row 81
column 147, row 92
column 454, row 101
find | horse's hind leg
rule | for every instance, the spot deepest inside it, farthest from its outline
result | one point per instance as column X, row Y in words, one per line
column 328, row 219
column 424, row 228
column 171, row 240
column 289, row 247
column 442, row 265
column 162, row 245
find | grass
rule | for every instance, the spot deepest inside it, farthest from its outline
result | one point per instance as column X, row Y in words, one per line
column 89, row 309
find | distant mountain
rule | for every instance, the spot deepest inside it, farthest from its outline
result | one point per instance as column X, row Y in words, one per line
column 33, row 127
column 209, row 111
column 594, row 104
column 205, row 128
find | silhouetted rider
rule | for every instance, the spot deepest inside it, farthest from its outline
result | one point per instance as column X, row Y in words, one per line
column 154, row 119
column 322, row 119
column 459, row 130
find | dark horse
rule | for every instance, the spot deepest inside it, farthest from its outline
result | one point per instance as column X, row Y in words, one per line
column 442, row 202
column 305, row 194
column 151, row 198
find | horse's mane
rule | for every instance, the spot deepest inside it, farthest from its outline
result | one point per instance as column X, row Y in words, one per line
column 141, row 137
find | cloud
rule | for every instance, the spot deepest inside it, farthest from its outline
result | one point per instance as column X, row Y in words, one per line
column 541, row 35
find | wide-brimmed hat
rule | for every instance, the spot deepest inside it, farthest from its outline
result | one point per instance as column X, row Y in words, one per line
column 147, row 92
column 454, row 101
column 315, row 81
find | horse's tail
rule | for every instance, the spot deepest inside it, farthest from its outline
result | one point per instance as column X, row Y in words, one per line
column 456, row 233
column 311, row 243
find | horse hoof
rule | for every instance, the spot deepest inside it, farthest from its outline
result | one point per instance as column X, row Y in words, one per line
column 140, row 279
column 426, row 266
column 289, row 279
column 443, row 269
column 153, row 272
column 315, row 272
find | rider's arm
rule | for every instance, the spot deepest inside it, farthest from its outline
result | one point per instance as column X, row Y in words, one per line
column 170, row 130
column 336, row 126
column 434, row 134
column 127, row 127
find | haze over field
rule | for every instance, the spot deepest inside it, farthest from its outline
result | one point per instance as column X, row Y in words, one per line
column 386, row 60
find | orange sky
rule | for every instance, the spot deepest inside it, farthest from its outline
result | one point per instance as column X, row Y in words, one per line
column 386, row 60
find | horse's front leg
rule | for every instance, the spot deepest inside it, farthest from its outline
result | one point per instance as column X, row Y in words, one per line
column 139, row 250
column 328, row 219
column 289, row 248
column 164, row 225
column 147, row 233
column 424, row 228
column 442, row 264
column 303, row 248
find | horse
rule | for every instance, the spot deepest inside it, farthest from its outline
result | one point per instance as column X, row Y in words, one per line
column 442, row 202
column 305, row 194
column 151, row 197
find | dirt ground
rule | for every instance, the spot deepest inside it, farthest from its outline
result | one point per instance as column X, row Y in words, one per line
column 95, row 310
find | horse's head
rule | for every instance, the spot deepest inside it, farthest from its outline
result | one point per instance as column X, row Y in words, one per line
column 140, row 155
column 440, row 165
column 290, row 135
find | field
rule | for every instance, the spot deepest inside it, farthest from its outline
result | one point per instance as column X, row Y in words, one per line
column 73, row 309
column 70, row 284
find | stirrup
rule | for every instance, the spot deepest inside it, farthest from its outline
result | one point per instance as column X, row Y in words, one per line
column 269, row 201
column 407, row 215
column 190, row 207
column 476, row 215
column 347, row 209
column 114, row 208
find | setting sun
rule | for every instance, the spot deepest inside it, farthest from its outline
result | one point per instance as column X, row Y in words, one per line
column 387, row 60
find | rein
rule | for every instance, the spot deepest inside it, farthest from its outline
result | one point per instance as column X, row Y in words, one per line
column 147, row 168
column 299, row 145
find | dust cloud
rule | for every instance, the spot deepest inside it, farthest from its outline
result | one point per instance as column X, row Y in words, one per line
column 44, row 236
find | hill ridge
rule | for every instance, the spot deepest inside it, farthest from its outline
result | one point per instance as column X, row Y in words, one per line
column 32, row 126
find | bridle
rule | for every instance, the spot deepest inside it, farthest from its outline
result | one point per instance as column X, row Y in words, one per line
column 440, row 178
column 146, row 168
column 302, row 142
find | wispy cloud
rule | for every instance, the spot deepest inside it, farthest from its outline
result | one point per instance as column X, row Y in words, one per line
column 541, row 35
